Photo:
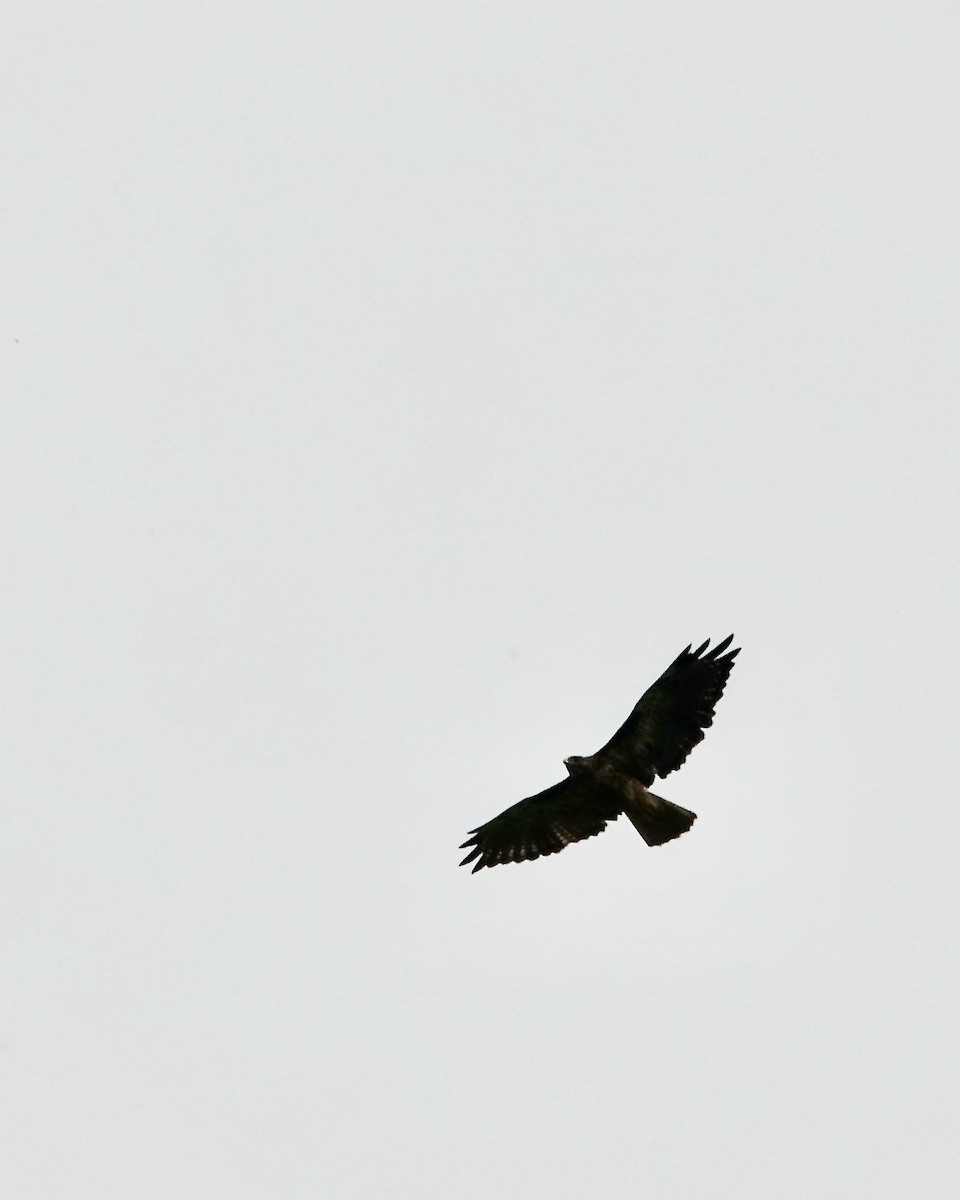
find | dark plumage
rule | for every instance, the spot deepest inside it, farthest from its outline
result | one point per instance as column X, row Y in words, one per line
column 666, row 724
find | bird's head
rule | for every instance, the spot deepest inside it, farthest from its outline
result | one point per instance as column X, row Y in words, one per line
column 575, row 764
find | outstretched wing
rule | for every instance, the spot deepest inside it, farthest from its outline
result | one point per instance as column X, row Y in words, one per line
column 670, row 717
column 569, row 811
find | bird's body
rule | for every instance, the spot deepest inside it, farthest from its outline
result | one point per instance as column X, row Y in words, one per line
column 665, row 725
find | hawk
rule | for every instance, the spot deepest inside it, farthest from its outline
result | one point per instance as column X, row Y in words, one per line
column 666, row 724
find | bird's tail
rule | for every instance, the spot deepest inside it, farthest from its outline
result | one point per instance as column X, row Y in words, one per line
column 658, row 820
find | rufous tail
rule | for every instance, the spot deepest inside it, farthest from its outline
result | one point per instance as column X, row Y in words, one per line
column 658, row 820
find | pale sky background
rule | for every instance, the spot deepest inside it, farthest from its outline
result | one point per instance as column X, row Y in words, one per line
column 389, row 392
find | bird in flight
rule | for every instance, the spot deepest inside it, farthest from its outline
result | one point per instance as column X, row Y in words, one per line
column 666, row 724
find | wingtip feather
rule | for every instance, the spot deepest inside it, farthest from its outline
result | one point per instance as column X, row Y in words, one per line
column 716, row 652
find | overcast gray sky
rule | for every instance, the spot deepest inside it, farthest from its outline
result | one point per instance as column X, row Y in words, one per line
column 390, row 391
